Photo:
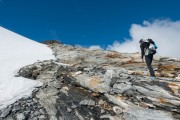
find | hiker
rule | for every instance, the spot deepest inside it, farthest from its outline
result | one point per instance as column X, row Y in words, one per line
column 148, row 47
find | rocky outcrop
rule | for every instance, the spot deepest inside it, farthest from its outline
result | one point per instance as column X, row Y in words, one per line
column 51, row 42
column 92, row 85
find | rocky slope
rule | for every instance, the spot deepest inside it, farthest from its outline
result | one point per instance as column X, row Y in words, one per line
column 85, row 84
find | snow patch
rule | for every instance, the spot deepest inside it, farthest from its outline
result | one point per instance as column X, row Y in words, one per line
column 16, row 52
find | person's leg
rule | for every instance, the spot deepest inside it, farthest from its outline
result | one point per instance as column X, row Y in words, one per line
column 148, row 63
column 151, row 58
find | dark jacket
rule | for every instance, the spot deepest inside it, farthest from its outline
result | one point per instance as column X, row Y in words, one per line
column 143, row 47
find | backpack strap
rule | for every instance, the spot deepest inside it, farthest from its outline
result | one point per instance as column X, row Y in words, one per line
column 150, row 41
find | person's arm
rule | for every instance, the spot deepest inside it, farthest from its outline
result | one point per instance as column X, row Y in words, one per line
column 142, row 51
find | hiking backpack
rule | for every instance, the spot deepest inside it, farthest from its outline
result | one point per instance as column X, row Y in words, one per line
column 152, row 47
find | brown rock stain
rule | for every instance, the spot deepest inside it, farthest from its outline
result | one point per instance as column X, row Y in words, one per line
column 95, row 95
column 113, row 55
column 130, row 72
column 120, row 98
column 168, row 70
column 106, row 106
column 94, row 81
column 174, row 86
column 162, row 100
column 144, row 105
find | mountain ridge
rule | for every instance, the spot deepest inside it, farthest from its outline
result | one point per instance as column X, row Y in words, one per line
column 84, row 84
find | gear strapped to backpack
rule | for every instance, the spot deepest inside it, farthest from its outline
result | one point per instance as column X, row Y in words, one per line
column 152, row 47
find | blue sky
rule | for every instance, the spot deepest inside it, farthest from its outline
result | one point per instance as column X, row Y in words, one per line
column 82, row 22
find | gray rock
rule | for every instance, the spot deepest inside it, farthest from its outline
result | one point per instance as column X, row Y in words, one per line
column 78, row 115
column 29, row 101
column 113, row 81
column 16, row 108
column 87, row 69
column 26, row 112
column 101, row 102
column 17, row 103
column 114, row 99
column 39, row 107
column 32, row 112
column 74, row 106
column 34, row 107
column 35, row 118
column 102, row 111
column 69, row 110
column 36, row 113
column 120, row 88
column 108, row 116
column 128, row 116
column 139, row 113
column 124, row 76
column 9, row 117
column 87, row 102
column 5, row 112
column 35, row 100
column 20, row 116
column 42, row 111
column 100, row 71
column 29, row 104
column 42, row 117
column 92, row 118
column 117, row 110
column 110, row 73
column 58, row 85
column 17, row 76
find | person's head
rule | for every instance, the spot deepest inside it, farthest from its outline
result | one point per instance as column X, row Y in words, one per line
column 141, row 41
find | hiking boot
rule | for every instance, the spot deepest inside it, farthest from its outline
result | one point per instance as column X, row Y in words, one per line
column 153, row 78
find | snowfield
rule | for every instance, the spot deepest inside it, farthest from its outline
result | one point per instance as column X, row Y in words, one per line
column 16, row 52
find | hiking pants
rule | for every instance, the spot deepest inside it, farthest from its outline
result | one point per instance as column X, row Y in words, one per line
column 148, row 60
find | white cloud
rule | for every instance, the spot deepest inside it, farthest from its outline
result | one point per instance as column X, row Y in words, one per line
column 92, row 47
column 95, row 47
column 165, row 33
column 128, row 46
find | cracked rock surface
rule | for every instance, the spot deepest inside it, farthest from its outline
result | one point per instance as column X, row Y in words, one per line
column 83, row 84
